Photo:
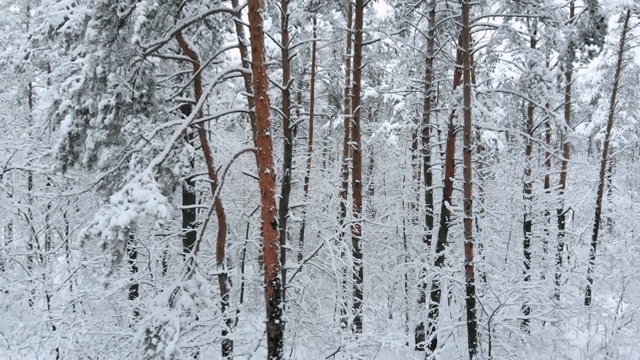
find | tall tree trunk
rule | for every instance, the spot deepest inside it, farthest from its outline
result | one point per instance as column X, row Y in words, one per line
column 480, row 170
column 283, row 206
column 221, row 238
column 527, row 224
column 307, row 174
column 426, row 167
column 248, row 88
column 356, row 175
column 604, row 159
column 344, row 187
column 445, row 212
column 566, row 154
column 32, row 238
column 267, row 183
column 468, row 149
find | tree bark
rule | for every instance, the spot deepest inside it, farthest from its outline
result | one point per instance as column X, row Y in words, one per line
column 189, row 201
column 527, row 224
column 246, row 76
column 604, row 159
column 267, row 184
column 283, row 206
column 221, row 238
column 426, row 167
column 344, row 188
column 445, row 213
column 547, row 180
column 610, row 221
column 307, row 174
column 356, row 175
column 566, row 154
column 469, row 267
column 132, row 252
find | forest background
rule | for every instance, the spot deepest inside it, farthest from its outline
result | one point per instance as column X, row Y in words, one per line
column 319, row 179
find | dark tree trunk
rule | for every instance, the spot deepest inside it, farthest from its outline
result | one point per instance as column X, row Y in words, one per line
column 445, row 213
column 283, row 206
column 221, row 238
column 469, row 267
column 246, row 76
column 189, row 201
column 344, row 188
column 527, row 224
column 356, row 175
column 547, row 181
column 132, row 252
column 604, row 159
column 610, row 221
column 566, row 154
column 420, row 339
column 307, row 174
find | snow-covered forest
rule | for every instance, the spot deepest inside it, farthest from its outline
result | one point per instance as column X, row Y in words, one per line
column 307, row 179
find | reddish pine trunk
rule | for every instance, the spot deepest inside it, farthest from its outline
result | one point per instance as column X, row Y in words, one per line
column 267, row 183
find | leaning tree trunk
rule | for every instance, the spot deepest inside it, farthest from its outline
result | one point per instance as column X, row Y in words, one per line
column 221, row 238
column 267, row 183
column 356, row 177
column 445, row 213
column 426, row 168
column 604, row 159
column 611, row 166
column 566, row 154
